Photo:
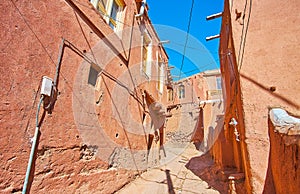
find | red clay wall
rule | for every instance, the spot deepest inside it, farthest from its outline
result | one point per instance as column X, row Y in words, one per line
column 264, row 48
column 267, row 62
column 30, row 39
column 283, row 175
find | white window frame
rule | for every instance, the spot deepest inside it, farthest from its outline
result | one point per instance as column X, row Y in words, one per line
column 160, row 74
column 148, row 61
column 181, row 91
column 219, row 83
column 107, row 9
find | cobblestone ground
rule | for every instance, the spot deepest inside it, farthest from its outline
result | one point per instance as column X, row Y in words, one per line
column 181, row 175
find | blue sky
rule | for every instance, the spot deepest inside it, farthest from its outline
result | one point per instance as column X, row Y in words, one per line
column 170, row 19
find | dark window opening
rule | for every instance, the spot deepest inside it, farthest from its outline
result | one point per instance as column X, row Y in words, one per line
column 93, row 75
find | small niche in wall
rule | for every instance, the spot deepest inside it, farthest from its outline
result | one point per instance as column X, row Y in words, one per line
column 93, row 74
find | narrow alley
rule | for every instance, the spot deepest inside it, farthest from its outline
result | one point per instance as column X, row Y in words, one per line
column 190, row 172
column 149, row 97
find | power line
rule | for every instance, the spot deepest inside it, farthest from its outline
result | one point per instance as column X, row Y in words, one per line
column 27, row 24
column 103, row 14
column 243, row 41
column 206, row 65
column 242, row 35
column 76, row 50
column 187, row 37
column 81, row 54
column 193, row 48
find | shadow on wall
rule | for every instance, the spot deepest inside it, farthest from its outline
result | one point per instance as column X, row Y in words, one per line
column 123, row 127
column 213, row 133
column 206, row 143
column 271, row 90
column 203, row 167
column 269, row 182
column 198, row 133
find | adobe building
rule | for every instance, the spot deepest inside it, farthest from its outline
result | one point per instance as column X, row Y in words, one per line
column 195, row 112
column 259, row 145
column 106, row 73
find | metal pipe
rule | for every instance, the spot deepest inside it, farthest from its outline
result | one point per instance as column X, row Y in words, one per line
column 34, row 142
column 60, row 54
column 142, row 9
column 214, row 16
column 210, row 101
column 212, row 37
column 164, row 42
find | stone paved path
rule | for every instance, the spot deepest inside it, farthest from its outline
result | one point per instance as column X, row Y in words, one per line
column 174, row 177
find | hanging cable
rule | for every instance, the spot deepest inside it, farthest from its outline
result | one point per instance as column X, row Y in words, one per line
column 33, row 148
column 186, row 38
column 243, row 37
column 104, row 72
column 193, row 48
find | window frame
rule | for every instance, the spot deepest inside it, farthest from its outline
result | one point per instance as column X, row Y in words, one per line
column 160, row 74
column 219, row 83
column 106, row 8
column 170, row 94
column 181, row 91
column 94, row 71
column 146, row 54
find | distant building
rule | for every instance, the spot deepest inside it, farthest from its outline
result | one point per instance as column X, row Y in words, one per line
column 196, row 106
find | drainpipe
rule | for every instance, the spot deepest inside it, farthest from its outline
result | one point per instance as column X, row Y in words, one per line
column 142, row 9
column 46, row 90
column 54, row 91
column 60, row 54
column 33, row 148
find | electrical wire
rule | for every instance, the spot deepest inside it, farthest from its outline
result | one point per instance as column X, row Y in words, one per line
column 187, row 37
column 206, row 65
column 243, row 37
column 72, row 48
column 27, row 24
column 172, row 42
column 104, row 14
column 104, row 72
column 80, row 53
column 89, row 60
column 85, row 38
column 193, row 48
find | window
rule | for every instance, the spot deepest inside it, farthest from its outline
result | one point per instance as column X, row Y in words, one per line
column 113, row 15
column 181, row 91
column 160, row 74
column 93, row 74
column 111, row 11
column 170, row 94
column 146, row 55
column 219, row 83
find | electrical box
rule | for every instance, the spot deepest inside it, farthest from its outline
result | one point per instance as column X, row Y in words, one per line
column 47, row 84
